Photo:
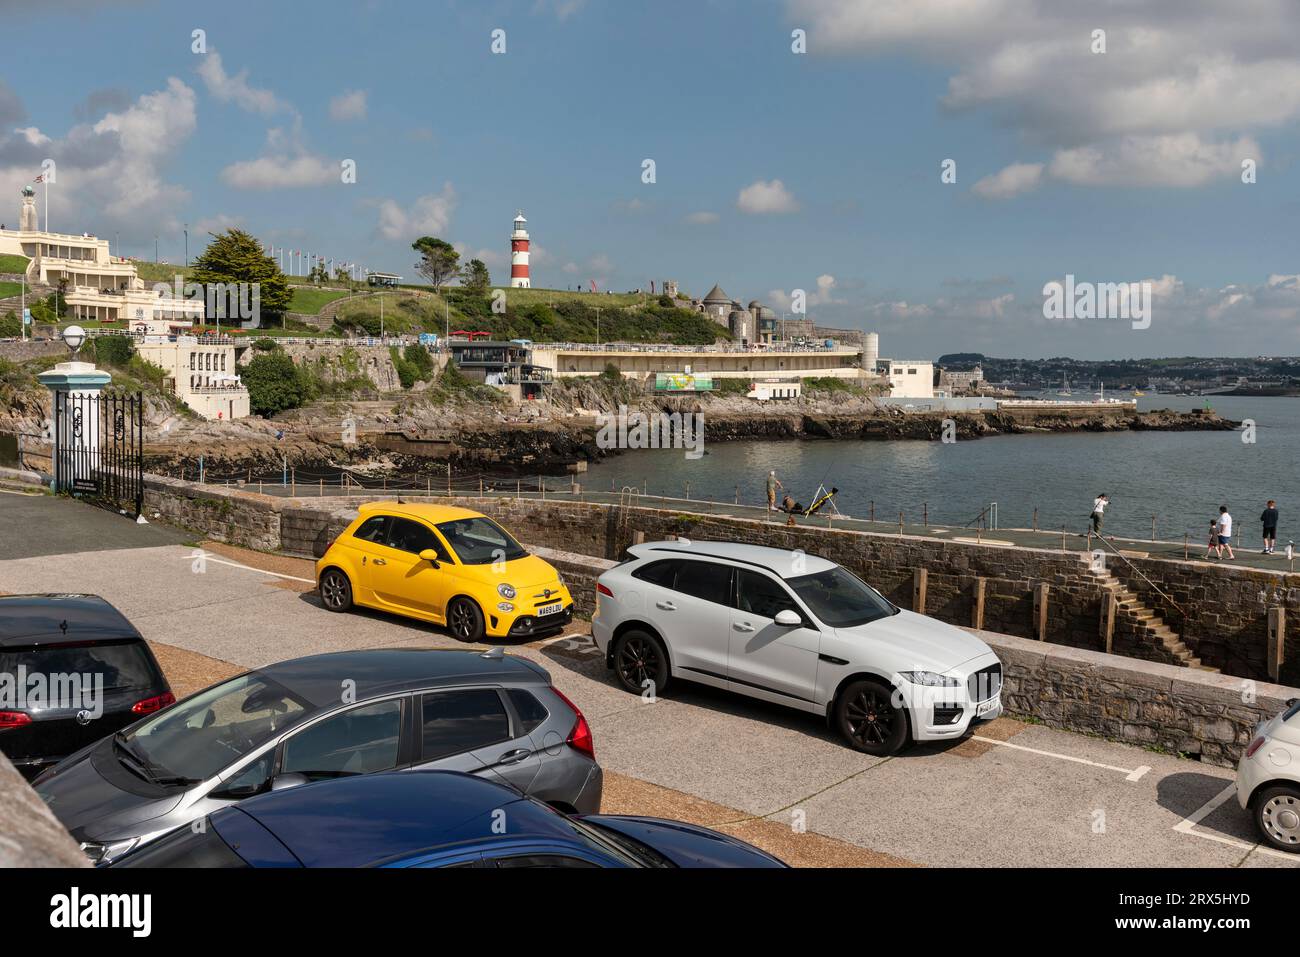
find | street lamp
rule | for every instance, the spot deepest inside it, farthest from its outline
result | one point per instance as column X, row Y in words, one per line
column 73, row 337
column 187, row 244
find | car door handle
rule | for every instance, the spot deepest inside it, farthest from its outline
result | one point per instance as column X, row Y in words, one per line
column 666, row 605
column 381, row 561
column 514, row 757
column 742, row 626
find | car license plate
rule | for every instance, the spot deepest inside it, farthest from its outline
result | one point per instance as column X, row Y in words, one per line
column 990, row 705
column 554, row 608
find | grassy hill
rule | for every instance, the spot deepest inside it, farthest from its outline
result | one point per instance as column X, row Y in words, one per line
column 10, row 262
column 310, row 300
column 545, row 315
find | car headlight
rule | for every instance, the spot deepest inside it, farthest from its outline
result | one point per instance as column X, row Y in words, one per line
column 506, row 591
column 929, row 679
column 505, row 606
column 104, row 853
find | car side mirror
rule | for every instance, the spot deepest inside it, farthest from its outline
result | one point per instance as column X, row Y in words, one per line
column 1292, row 702
column 788, row 618
column 291, row 779
column 430, row 556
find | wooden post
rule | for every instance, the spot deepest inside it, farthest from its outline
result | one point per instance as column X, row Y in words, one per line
column 1153, row 528
column 293, row 481
column 1040, row 611
column 518, row 487
column 638, row 538
column 925, row 514
column 448, row 479
column 977, row 604
column 873, row 511
column 480, row 486
column 737, row 494
column 920, row 578
column 900, row 523
column 1035, row 518
column 1109, row 605
column 1276, row 640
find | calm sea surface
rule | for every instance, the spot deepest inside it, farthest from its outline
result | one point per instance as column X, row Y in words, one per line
column 1181, row 478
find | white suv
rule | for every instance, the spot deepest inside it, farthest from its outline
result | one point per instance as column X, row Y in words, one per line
column 1268, row 779
column 796, row 630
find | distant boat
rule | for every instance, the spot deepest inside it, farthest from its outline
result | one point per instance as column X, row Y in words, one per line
column 1065, row 386
column 1138, row 393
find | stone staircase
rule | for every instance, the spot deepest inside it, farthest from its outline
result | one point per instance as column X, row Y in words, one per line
column 1148, row 630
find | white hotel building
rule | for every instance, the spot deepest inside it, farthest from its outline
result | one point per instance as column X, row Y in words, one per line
column 104, row 288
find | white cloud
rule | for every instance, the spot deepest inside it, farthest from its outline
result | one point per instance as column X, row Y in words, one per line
column 1010, row 181
column 562, row 9
column 822, row 295
column 111, row 173
column 285, row 164
column 702, row 218
column 1174, row 100
column 766, row 196
column 1178, row 160
column 429, row 215
column 348, row 105
column 236, row 89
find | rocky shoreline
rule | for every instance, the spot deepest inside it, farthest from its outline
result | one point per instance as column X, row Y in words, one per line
column 564, row 446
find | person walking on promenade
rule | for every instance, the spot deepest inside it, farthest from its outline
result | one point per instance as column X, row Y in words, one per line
column 1213, row 540
column 1098, row 507
column 1225, row 534
column 773, row 483
column 1269, row 518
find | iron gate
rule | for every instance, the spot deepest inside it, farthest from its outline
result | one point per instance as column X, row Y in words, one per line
column 99, row 447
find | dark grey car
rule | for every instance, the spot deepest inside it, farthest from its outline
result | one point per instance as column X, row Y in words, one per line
column 320, row 717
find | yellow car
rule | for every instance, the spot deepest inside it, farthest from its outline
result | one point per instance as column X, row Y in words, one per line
column 446, row 565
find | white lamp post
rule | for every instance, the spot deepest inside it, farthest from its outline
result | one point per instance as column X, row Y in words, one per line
column 75, row 387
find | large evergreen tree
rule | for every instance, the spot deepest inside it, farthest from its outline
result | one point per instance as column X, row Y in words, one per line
column 439, row 260
column 234, row 257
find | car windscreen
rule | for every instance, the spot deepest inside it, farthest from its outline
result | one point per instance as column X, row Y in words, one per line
column 841, row 599
column 120, row 665
column 480, row 541
column 206, row 733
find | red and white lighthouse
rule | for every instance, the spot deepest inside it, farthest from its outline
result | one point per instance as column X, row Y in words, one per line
column 519, row 254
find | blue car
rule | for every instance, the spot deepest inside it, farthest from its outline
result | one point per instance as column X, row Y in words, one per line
column 432, row 819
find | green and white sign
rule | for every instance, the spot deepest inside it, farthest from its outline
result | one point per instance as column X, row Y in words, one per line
column 682, row 382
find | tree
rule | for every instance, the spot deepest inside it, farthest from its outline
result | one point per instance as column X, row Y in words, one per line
column 439, row 260
column 475, row 277
column 235, row 257
column 10, row 326
column 274, row 383
column 112, row 350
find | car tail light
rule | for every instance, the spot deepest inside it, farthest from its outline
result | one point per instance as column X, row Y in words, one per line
column 157, row 703
column 580, row 737
column 1255, row 746
column 603, row 590
column 16, row 719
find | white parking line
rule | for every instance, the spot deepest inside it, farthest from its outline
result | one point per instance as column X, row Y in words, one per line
column 208, row 557
column 580, row 643
column 1188, row 826
column 1133, row 774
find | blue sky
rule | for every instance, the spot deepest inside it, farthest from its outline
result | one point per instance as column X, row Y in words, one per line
column 1114, row 167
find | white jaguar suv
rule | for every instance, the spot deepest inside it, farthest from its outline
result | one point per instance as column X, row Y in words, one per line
column 796, row 630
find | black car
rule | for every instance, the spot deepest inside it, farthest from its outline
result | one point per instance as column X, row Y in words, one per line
column 72, row 670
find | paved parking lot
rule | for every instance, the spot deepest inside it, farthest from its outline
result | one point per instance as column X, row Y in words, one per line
column 1014, row 794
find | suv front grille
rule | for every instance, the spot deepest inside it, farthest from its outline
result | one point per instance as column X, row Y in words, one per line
column 985, row 683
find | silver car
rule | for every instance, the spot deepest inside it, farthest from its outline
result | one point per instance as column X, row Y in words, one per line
column 327, row 716
column 797, row 630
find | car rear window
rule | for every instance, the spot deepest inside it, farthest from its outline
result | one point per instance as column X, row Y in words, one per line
column 531, row 711
column 659, row 573
column 458, row 721
column 705, row 580
column 124, row 665
column 372, row 529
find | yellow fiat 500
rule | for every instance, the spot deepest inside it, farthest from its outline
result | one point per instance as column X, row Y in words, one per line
column 450, row 566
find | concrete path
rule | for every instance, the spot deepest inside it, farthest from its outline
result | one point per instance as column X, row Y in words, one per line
column 1015, row 794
